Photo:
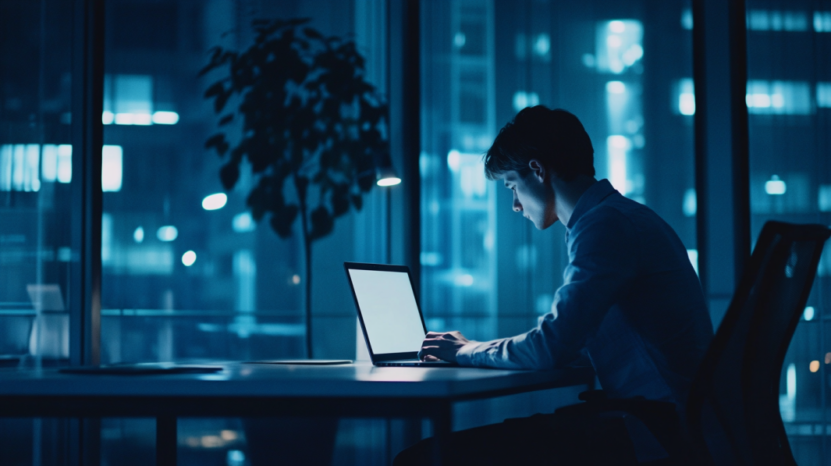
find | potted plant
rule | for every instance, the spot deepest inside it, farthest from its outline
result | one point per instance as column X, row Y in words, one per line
column 310, row 125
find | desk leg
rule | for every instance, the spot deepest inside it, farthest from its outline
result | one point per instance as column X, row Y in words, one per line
column 166, row 441
column 442, row 428
column 91, row 448
column 403, row 433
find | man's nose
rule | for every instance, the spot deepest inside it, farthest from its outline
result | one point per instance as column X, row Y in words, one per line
column 517, row 206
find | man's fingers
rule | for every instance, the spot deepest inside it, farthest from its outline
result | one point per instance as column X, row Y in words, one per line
column 437, row 343
column 441, row 345
column 428, row 352
column 431, row 349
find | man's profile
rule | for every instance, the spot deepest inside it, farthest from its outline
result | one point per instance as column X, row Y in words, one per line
column 630, row 300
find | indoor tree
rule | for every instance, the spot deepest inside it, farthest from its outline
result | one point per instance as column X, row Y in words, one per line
column 307, row 121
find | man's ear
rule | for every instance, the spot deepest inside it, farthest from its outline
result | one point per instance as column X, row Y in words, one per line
column 538, row 169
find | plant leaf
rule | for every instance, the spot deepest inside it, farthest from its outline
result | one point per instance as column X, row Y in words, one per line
column 229, row 174
column 216, row 53
column 365, row 181
column 298, row 21
column 282, row 220
column 314, row 34
column 322, row 223
column 221, row 100
column 262, row 199
column 215, row 89
column 226, row 119
column 340, row 199
column 217, row 141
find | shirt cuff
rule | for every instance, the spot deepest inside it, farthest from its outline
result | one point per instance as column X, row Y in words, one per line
column 465, row 355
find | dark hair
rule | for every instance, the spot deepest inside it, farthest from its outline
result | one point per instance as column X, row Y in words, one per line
column 554, row 137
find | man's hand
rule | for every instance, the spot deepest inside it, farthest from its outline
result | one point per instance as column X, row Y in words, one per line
column 444, row 346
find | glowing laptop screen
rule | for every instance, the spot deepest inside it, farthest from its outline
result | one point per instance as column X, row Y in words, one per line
column 389, row 310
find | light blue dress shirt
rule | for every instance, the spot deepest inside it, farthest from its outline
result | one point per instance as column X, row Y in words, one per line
column 630, row 300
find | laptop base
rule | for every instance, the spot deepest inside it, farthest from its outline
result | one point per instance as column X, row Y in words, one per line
column 412, row 363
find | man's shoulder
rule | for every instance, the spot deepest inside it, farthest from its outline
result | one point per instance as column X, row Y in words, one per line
column 614, row 210
column 623, row 221
column 626, row 220
column 602, row 225
column 620, row 211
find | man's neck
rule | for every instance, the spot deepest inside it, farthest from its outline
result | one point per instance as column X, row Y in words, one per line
column 569, row 193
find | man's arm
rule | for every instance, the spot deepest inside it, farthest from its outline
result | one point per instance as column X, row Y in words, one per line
column 603, row 263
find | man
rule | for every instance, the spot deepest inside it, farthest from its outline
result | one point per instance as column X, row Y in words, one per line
column 630, row 300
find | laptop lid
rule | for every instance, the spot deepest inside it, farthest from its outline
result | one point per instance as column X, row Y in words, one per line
column 388, row 310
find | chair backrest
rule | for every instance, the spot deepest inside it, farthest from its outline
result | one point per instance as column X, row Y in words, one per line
column 733, row 408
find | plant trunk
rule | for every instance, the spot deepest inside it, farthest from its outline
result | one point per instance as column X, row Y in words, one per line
column 307, row 250
column 307, row 245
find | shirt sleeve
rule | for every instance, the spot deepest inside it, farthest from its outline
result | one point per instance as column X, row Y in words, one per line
column 603, row 262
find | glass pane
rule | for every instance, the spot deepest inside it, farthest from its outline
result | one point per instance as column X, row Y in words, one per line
column 625, row 70
column 789, row 71
column 188, row 270
column 189, row 273
column 37, row 256
column 35, row 182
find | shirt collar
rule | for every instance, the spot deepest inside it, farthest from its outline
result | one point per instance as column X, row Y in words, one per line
column 593, row 196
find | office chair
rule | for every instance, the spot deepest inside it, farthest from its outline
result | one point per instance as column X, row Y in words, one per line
column 733, row 407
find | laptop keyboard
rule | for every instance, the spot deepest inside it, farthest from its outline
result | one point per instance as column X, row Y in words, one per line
column 415, row 363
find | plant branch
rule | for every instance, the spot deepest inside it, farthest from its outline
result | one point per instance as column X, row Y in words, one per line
column 307, row 250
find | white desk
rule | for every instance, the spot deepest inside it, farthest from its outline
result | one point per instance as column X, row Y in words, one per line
column 251, row 390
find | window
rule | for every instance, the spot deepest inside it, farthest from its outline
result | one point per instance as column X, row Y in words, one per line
column 36, row 187
column 188, row 274
column 789, row 181
column 485, row 270
column 39, row 255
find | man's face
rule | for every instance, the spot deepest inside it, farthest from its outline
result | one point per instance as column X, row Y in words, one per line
column 533, row 196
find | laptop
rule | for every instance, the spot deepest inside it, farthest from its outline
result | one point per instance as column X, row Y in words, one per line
column 390, row 317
